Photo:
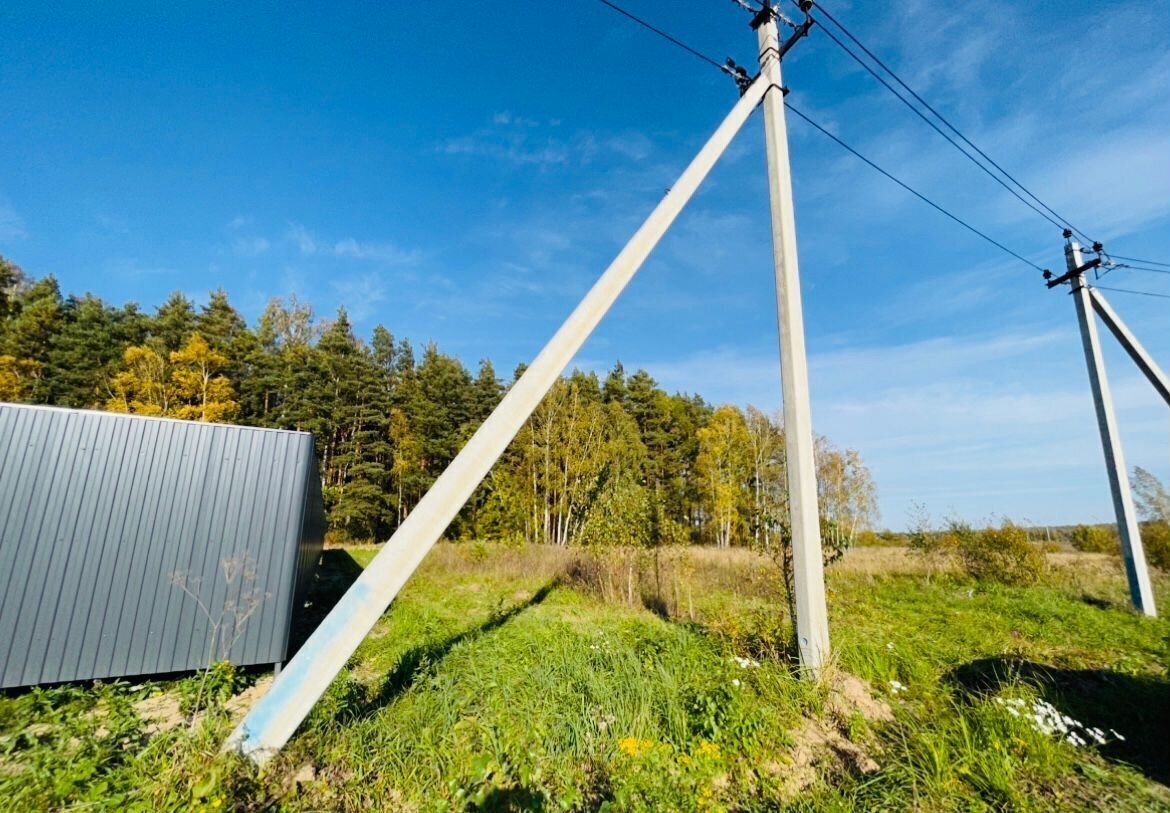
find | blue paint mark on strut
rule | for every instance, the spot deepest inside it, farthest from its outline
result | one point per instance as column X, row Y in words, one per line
column 291, row 681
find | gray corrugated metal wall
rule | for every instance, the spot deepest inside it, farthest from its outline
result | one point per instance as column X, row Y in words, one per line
column 104, row 516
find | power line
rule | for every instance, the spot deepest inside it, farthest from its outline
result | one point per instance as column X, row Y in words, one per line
column 913, row 191
column 1140, row 268
column 725, row 69
column 667, row 37
column 1129, row 291
column 1059, row 221
column 1136, row 260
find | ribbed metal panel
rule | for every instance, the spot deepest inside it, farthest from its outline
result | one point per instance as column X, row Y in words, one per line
column 135, row 546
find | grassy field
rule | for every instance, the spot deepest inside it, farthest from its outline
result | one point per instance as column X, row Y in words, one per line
column 544, row 679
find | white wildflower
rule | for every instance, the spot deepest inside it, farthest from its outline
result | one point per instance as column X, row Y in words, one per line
column 735, row 682
column 1047, row 719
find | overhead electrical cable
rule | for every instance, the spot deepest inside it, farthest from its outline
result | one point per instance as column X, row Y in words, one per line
column 1136, row 260
column 1058, row 224
column 1059, row 221
column 913, row 191
column 1140, row 268
column 1130, row 291
column 723, row 68
column 665, row 36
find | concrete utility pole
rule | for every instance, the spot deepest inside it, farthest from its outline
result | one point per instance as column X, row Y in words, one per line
column 1140, row 591
column 276, row 716
column 812, row 619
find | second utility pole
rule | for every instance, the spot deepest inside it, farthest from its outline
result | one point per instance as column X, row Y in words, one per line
column 812, row 619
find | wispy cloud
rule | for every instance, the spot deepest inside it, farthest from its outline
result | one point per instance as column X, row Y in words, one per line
column 360, row 295
column 250, row 246
column 525, row 141
column 381, row 252
column 302, row 238
column 136, row 267
column 112, row 224
column 11, row 223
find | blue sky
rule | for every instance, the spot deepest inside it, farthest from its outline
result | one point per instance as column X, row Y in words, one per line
column 463, row 174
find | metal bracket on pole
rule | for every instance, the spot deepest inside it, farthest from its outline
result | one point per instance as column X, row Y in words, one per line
column 275, row 717
column 1140, row 591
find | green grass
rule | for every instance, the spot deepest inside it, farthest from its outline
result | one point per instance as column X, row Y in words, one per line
column 527, row 680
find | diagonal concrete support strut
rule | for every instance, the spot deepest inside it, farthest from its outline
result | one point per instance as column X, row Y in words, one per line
column 274, row 719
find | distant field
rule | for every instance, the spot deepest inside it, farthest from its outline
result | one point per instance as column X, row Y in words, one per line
column 545, row 679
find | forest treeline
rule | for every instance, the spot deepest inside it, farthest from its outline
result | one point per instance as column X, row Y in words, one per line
column 613, row 459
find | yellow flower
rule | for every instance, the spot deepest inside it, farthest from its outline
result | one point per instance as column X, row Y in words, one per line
column 708, row 749
column 634, row 746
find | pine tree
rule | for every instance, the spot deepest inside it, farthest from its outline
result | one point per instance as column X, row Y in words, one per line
column 32, row 332
column 614, row 388
column 173, row 323
column 357, row 454
column 86, row 352
column 485, row 392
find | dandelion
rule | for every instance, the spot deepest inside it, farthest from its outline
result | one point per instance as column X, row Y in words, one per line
column 708, row 749
column 633, row 746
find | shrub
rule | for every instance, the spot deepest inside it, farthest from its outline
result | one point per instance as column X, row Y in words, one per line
column 1156, row 541
column 1001, row 554
column 1094, row 539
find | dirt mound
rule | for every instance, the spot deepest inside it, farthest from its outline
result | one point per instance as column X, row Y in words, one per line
column 161, row 712
column 823, row 747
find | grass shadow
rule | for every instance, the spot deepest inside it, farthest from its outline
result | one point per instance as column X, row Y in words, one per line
column 1102, row 603
column 335, row 575
column 417, row 660
column 505, row 800
column 1138, row 706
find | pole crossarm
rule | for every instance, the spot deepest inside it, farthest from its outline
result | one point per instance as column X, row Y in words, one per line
column 1144, row 361
column 276, row 716
column 1073, row 273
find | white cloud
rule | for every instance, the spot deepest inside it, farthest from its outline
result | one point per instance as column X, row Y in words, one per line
column 134, row 267
column 360, row 295
column 250, row 246
column 11, row 223
column 516, row 140
column 381, row 252
column 302, row 238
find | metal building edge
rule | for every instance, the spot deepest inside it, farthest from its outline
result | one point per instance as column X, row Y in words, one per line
column 102, row 515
